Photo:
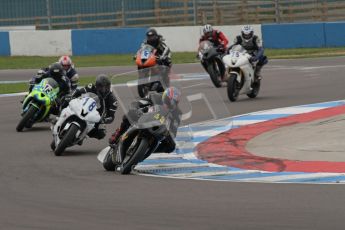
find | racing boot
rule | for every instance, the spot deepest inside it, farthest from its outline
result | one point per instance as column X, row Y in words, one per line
column 115, row 137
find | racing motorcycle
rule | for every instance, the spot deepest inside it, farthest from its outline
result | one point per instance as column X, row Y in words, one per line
column 212, row 62
column 152, row 75
column 140, row 140
column 75, row 122
column 241, row 74
column 38, row 103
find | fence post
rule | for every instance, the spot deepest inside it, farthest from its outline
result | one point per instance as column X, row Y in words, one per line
column 79, row 21
column 324, row 11
column 194, row 13
column 123, row 16
column 185, row 12
column 49, row 14
column 214, row 12
column 157, row 12
column 277, row 11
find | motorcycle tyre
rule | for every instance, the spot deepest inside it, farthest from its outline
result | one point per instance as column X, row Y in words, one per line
column 26, row 118
column 232, row 88
column 66, row 140
column 135, row 158
column 255, row 91
column 108, row 163
column 213, row 75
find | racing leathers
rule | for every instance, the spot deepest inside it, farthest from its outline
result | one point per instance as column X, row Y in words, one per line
column 255, row 48
column 218, row 39
column 71, row 74
column 108, row 107
column 163, row 51
column 142, row 106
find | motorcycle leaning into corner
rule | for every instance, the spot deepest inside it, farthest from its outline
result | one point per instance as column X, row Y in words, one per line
column 212, row 62
column 241, row 74
column 38, row 103
column 143, row 137
column 152, row 75
column 75, row 122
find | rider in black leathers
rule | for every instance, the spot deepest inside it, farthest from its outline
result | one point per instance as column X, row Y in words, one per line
column 157, row 41
column 108, row 102
column 169, row 99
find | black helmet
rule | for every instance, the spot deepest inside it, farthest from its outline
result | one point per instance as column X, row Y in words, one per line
column 103, row 85
column 56, row 70
column 152, row 37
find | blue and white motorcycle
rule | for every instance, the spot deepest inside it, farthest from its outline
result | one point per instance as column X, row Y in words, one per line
column 75, row 122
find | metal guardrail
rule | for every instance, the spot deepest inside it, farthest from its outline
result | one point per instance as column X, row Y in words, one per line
column 136, row 13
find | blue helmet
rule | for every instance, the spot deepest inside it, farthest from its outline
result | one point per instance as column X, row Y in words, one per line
column 171, row 97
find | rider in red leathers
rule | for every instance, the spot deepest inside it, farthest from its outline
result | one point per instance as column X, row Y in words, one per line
column 217, row 37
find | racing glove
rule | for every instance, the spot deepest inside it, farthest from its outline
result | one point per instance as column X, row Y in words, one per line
column 107, row 120
column 253, row 59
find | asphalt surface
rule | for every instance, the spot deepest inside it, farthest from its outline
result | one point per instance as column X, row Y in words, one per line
column 320, row 140
column 26, row 74
column 41, row 191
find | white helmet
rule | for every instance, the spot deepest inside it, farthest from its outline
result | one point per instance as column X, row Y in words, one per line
column 207, row 29
column 66, row 62
column 247, row 32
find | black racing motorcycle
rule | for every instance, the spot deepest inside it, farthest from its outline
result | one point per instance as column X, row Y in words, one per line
column 141, row 139
column 212, row 62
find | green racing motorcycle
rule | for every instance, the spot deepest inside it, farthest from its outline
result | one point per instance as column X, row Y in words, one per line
column 38, row 103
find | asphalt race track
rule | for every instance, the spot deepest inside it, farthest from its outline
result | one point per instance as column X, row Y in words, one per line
column 41, row 191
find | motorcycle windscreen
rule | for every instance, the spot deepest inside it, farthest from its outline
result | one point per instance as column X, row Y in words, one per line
column 200, row 106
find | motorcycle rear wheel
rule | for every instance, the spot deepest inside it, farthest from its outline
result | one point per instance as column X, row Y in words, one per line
column 139, row 153
column 255, row 91
column 67, row 139
column 108, row 163
column 26, row 118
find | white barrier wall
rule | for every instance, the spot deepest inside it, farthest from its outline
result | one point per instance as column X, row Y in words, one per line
column 40, row 43
column 186, row 38
column 59, row 42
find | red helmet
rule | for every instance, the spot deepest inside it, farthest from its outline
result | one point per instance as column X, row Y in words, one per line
column 66, row 62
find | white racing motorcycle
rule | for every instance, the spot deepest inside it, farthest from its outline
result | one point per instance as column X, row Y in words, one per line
column 75, row 122
column 241, row 74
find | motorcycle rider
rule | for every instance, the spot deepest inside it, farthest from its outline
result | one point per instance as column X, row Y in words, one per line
column 253, row 44
column 157, row 41
column 56, row 72
column 108, row 101
column 217, row 38
column 68, row 67
column 71, row 72
column 169, row 99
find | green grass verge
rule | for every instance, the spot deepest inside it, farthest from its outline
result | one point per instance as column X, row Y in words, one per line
column 21, row 62
column 23, row 87
column 36, row 62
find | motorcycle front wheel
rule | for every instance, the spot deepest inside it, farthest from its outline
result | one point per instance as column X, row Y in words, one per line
column 66, row 140
column 134, row 156
column 233, row 88
column 26, row 118
column 213, row 71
